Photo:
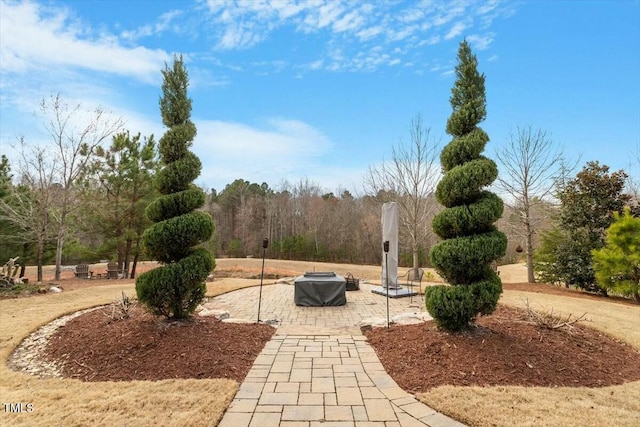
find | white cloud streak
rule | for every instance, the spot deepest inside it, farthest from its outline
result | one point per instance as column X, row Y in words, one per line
column 455, row 31
column 43, row 46
column 164, row 23
column 281, row 147
column 34, row 37
column 354, row 26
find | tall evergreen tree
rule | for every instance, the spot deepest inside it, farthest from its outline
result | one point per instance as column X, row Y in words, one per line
column 176, row 288
column 470, row 240
column 588, row 205
column 125, row 172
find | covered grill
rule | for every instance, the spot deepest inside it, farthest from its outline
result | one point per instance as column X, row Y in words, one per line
column 320, row 289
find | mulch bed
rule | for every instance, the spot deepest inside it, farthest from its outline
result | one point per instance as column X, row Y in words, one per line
column 94, row 347
column 503, row 350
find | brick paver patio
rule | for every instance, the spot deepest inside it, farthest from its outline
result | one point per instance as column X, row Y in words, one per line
column 318, row 370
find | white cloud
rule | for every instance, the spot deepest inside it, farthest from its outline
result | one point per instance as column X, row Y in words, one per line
column 316, row 65
column 430, row 41
column 239, row 37
column 35, row 37
column 402, row 33
column 324, row 16
column 354, row 26
column 282, row 148
column 280, row 139
column 164, row 23
column 480, row 42
column 488, row 7
column 412, row 15
column 447, row 12
column 351, row 21
column 456, row 30
column 369, row 33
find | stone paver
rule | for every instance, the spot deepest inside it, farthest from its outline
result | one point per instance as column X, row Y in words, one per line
column 318, row 370
column 277, row 305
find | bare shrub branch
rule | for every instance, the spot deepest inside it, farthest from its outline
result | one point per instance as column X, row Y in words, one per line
column 549, row 320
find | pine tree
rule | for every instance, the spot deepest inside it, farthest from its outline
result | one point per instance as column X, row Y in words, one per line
column 470, row 240
column 178, row 286
column 617, row 265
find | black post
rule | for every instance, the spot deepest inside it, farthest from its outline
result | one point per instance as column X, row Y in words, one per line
column 411, row 290
column 265, row 243
column 385, row 245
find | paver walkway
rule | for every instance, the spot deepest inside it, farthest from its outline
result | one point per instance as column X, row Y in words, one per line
column 318, row 370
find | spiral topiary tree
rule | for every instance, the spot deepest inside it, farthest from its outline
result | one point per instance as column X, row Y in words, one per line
column 176, row 288
column 470, row 240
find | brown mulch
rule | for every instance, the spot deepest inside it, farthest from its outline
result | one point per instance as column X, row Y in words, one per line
column 142, row 347
column 503, row 349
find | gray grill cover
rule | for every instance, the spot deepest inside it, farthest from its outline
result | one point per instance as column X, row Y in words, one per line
column 320, row 289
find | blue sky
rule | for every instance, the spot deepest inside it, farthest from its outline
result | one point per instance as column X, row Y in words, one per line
column 285, row 89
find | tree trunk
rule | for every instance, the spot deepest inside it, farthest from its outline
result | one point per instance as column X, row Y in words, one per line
column 132, row 275
column 416, row 264
column 127, row 257
column 529, row 232
column 531, row 278
column 60, row 241
column 39, row 257
column 530, row 273
column 59, row 244
column 23, row 265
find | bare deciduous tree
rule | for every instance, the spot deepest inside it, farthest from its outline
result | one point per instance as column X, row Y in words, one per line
column 410, row 177
column 633, row 182
column 75, row 134
column 530, row 167
column 29, row 205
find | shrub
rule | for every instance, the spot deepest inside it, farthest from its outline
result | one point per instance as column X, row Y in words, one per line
column 471, row 241
column 177, row 287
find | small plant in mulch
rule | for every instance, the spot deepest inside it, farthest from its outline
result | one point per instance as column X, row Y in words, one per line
column 121, row 308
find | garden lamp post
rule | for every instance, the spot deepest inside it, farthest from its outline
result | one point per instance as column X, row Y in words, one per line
column 265, row 243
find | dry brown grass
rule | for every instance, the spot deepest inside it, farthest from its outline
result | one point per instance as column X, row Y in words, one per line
column 539, row 406
column 202, row 402
column 74, row 403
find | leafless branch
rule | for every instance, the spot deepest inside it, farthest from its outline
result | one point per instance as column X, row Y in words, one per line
column 549, row 320
column 409, row 178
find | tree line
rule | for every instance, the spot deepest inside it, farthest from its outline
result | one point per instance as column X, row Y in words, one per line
column 82, row 197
